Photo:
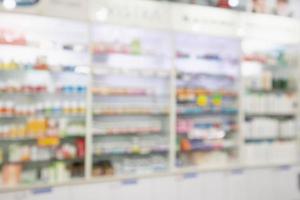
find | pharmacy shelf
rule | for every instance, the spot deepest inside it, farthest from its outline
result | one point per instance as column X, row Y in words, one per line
column 206, row 94
column 273, row 91
column 36, row 163
column 10, row 117
column 126, row 133
column 207, row 148
column 39, row 94
column 132, row 108
column 50, row 70
column 131, row 152
column 131, row 83
column 271, row 115
column 116, row 113
column 196, row 111
column 66, row 137
column 259, row 140
column 270, row 129
column 54, row 46
column 42, row 97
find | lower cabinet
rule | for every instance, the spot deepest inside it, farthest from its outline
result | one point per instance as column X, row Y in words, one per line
column 279, row 183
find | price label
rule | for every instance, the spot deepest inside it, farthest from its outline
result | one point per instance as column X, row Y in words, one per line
column 202, row 100
column 40, row 191
column 237, row 172
column 48, row 141
column 128, row 182
column 191, row 175
column 285, row 168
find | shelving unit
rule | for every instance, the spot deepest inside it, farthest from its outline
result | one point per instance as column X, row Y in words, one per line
column 270, row 105
column 207, row 100
column 43, row 89
column 134, row 93
column 131, row 101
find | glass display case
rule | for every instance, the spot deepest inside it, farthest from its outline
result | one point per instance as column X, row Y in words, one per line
column 43, row 89
column 270, row 102
column 207, row 100
column 131, row 100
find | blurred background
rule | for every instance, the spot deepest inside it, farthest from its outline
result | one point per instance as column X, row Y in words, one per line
column 140, row 99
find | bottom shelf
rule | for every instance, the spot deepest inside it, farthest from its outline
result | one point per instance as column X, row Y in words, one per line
column 117, row 165
column 43, row 171
column 186, row 171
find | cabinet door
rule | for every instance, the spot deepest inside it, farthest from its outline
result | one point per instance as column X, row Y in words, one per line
column 190, row 186
column 286, row 183
column 165, row 188
column 132, row 190
column 14, row 196
column 91, row 191
column 235, row 185
column 214, row 186
column 259, row 184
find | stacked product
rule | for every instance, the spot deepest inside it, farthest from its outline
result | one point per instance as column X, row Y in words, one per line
column 35, row 128
column 270, row 129
column 12, row 109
